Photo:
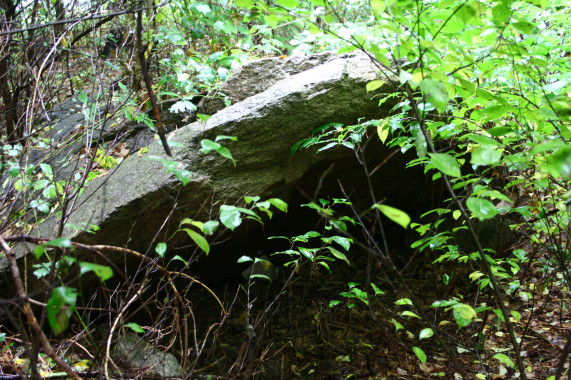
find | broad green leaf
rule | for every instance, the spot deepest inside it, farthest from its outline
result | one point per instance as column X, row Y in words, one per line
column 524, row 26
column 102, row 271
column 445, row 163
column 464, row 314
column 338, row 254
column 39, row 251
column 279, row 204
column 437, row 93
column 178, row 258
column 486, row 156
column 60, row 308
column 482, row 208
column 403, row 301
column 374, row 85
column 343, row 242
column 288, row 3
column 419, row 354
column 378, row 7
column 383, row 131
column 425, row 333
column 483, row 140
column 244, row 3
column 420, row 145
column 404, row 76
column 410, row 314
column 398, row 326
column 559, row 163
column 501, row 13
column 59, row 242
column 504, row 359
column 376, row 289
column 46, row 168
column 161, row 248
column 500, row 131
column 230, row 217
column 135, row 327
column 244, row 259
column 494, row 112
column 210, row 227
column 398, row 216
column 198, row 239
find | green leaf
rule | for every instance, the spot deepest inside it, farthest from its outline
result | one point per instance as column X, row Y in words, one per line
column 244, row 259
column 46, row 168
column 39, row 251
column 230, row 217
column 504, row 359
column 102, row 271
column 178, row 258
column 135, row 327
column 404, row 76
column 338, row 254
column 403, row 301
column 445, row 163
column 378, row 7
column 425, row 333
column 494, row 112
column 436, row 92
column 410, row 314
column 559, row 163
column 244, row 3
column 279, row 204
column 398, row 216
column 501, row 13
column 398, row 326
column 343, row 242
column 483, row 140
column 500, row 131
column 374, row 85
column 464, row 314
column 209, row 145
column 420, row 144
column 198, row 239
column 210, row 227
column 288, row 3
column 60, row 308
column 482, row 208
column 59, row 242
column 383, row 131
column 161, row 248
column 419, row 354
column 485, row 156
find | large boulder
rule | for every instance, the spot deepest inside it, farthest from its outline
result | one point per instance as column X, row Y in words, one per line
column 257, row 76
column 140, row 203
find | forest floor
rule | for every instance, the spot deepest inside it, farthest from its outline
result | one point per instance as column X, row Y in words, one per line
column 298, row 335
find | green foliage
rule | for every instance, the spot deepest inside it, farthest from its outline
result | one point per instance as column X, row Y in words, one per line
column 60, row 308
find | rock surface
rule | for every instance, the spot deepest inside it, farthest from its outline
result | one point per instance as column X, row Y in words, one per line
column 132, row 203
column 257, row 76
column 134, row 352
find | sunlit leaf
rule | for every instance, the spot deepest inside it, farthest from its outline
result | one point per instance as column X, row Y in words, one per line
column 419, row 354
column 436, row 93
column 198, row 239
column 445, row 163
column 135, row 327
column 425, row 333
column 60, row 308
column 482, row 208
column 398, row 216
column 230, row 217
column 102, row 271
